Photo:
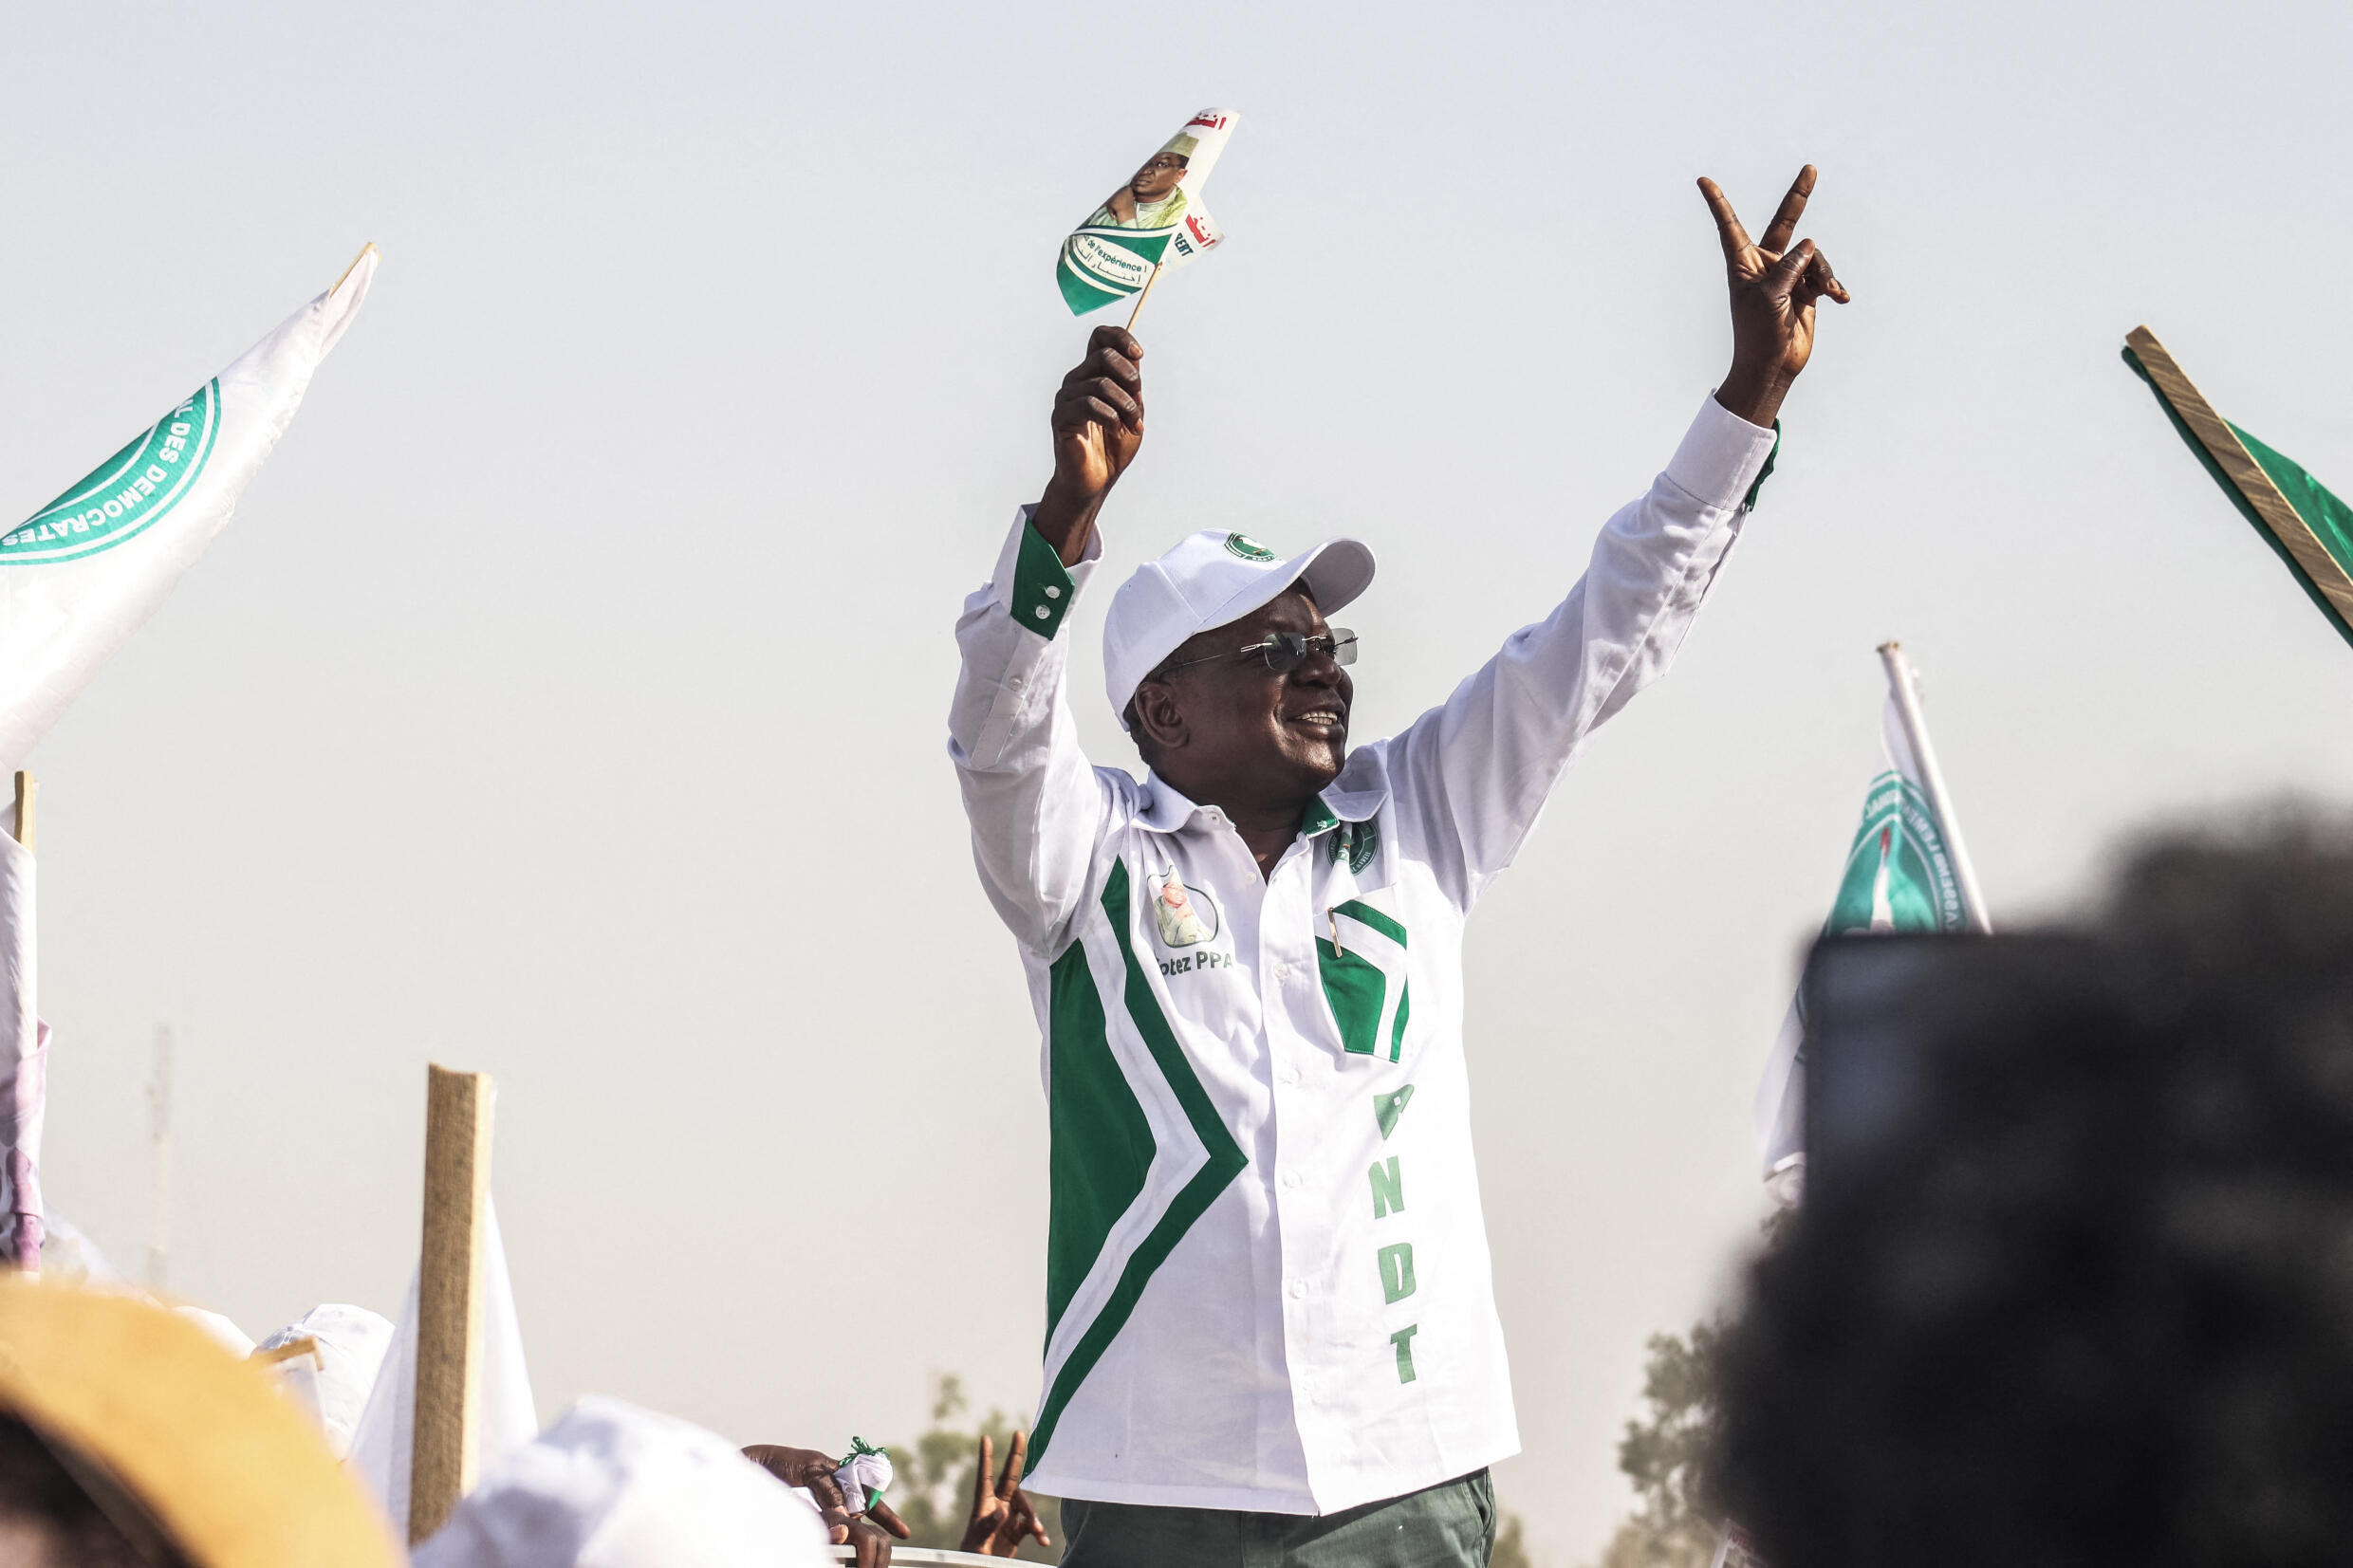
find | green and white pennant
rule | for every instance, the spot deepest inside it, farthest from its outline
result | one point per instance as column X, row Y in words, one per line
column 1901, row 875
column 2309, row 529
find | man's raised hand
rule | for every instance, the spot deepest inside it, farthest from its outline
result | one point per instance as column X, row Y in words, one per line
column 1774, row 285
column 1098, row 424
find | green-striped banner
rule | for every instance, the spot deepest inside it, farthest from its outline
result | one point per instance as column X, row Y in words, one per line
column 2310, row 529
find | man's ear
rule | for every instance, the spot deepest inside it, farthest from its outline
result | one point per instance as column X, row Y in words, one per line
column 1160, row 719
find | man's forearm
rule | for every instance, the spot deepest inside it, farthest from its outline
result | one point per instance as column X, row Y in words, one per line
column 1753, row 395
column 1065, row 521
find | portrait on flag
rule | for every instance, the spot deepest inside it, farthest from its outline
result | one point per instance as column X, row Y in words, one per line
column 1155, row 198
column 1156, row 219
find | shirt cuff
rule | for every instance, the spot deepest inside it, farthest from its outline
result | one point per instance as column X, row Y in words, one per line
column 1033, row 583
column 1723, row 457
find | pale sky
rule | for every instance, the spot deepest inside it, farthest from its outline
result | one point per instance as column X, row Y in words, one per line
column 567, row 699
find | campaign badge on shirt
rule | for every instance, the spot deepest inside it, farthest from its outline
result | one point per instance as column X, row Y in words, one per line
column 1186, row 917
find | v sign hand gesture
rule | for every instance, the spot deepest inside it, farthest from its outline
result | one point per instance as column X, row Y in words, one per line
column 1003, row 1515
column 1774, row 285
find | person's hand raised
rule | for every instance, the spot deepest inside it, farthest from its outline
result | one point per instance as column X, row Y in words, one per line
column 1097, row 425
column 1774, row 285
column 871, row 1531
column 1002, row 1515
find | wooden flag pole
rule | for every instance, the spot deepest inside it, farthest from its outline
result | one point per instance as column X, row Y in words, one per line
column 1144, row 294
column 2239, row 467
column 28, row 795
column 449, row 1295
column 353, row 267
column 1907, row 699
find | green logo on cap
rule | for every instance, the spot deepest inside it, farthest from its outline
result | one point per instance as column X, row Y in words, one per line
column 130, row 491
column 1247, row 548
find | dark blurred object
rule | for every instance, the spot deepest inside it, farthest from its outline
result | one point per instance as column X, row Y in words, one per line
column 47, row 1518
column 2072, row 1282
column 186, row 1450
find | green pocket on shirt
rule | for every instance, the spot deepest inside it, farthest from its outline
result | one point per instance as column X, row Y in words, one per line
column 1361, row 955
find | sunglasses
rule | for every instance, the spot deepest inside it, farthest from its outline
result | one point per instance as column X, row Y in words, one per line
column 1282, row 652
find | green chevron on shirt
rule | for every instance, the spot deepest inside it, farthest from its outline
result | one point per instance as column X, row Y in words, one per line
column 1225, row 1161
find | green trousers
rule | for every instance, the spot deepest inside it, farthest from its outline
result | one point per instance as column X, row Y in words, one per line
column 1451, row 1525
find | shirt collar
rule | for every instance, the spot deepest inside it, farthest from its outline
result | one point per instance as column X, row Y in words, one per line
column 1166, row 808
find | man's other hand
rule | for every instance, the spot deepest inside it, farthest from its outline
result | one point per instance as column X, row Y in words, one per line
column 813, row 1469
column 1097, row 425
column 1774, row 285
column 1002, row 1515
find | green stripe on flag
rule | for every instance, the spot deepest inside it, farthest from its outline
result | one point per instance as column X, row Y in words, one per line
column 1080, row 294
column 2330, row 518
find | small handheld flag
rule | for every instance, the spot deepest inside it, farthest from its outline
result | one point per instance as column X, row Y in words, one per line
column 2309, row 529
column 864, row 1475
column 1156, row 220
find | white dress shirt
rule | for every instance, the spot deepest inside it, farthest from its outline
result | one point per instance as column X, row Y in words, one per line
column 1268, row 1283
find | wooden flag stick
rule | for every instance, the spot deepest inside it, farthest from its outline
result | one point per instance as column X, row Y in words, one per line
column 1144, row 294
column 2239, row 467
column 28, row 795
column 449, row 1295
column 353, row 267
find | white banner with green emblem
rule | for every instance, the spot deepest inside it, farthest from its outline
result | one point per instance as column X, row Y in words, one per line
column 1156, row 219
column 1902, row 875
column 87, row 570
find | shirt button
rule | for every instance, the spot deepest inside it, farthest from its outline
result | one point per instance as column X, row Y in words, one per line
column 1290, row 1179
column 1282, row 971
column 1043, row 612
column 1052, row 592
column 1288, row 1075
column 1299, row 1290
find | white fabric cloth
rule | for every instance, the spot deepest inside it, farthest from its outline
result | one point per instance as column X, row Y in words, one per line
column 1268, row 1274
column 609, row 1486
column 88, row 569
column 72, row 1258
column 24, row 1050
column 353, row 1344
column 381, row 1445
column 1210, row 578
column 863, row 1477
column 223, row 1331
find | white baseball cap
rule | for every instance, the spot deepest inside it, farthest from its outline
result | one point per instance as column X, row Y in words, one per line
column 1209, row 579
column 610, row 1486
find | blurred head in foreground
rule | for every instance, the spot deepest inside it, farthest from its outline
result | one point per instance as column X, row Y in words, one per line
column 609, row 1486
column 2086, row 1297
column 127, row 1436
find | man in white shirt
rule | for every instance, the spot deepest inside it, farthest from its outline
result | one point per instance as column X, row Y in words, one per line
column 1272, row 1332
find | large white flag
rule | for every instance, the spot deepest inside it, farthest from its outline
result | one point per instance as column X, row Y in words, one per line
column 383, row 1442
column 76, row 578
column 87, row 570
column 1902, row 875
